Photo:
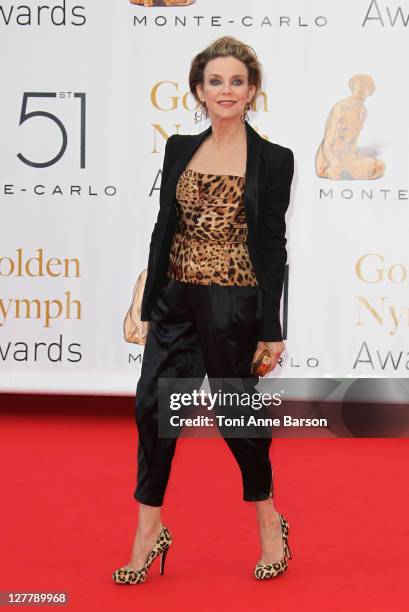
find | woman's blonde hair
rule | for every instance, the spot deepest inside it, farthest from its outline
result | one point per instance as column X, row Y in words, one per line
column 226, row 46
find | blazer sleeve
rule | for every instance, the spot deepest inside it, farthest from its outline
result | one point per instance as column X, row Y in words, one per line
column 166, row 166
column 167, row 163
column 273, row 245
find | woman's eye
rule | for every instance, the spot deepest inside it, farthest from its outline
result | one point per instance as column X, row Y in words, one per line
column 216, row 81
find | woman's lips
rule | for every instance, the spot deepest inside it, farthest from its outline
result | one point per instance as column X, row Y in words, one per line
column 227, row 104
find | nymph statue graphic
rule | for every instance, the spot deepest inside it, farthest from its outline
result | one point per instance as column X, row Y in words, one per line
column 337, row 157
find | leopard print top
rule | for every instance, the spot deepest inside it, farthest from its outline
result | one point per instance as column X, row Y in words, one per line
column 210, row 241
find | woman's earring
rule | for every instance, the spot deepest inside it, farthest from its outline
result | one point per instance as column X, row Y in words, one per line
column 244, row 117
column 199, row 113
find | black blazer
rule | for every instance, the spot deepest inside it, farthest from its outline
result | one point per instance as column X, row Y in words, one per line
column 269, row 173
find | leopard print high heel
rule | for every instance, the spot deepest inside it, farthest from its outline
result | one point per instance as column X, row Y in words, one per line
column 263, row 570
column 123, row 575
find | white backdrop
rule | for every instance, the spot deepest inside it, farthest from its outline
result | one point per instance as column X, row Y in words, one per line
column 80, row 178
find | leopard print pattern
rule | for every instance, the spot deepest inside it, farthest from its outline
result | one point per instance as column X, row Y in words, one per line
column 162, row 543
column 263, row 570
column 123, row 575
column 210, row 242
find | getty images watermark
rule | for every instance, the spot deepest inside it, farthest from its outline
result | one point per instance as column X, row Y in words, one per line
column 291, row 407
column 255, row 401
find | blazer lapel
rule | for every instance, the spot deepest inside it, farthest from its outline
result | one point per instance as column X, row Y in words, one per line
column 252, row 180
column 192, row 144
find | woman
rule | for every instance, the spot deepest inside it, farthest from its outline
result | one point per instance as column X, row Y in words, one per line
column 212, row 294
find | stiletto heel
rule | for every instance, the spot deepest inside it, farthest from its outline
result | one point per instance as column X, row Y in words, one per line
column 123, row 575
column 162, row 561
column 263, row 570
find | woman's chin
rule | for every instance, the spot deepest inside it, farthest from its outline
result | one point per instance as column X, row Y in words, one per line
column 226, row 113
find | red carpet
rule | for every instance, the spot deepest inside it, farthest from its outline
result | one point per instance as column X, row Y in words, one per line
column 68, row 516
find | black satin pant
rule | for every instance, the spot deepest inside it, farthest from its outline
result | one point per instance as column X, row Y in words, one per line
column 197, row 330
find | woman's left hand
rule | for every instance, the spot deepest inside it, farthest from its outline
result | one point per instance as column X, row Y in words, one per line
column 275, row 349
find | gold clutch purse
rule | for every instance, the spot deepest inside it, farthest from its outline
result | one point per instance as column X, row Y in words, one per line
column 132, row 322
column 260, row 367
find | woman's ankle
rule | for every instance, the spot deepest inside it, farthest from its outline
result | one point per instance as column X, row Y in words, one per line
column 147, row 531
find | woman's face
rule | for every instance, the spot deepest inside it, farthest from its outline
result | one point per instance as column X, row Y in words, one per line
column 225, row 90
